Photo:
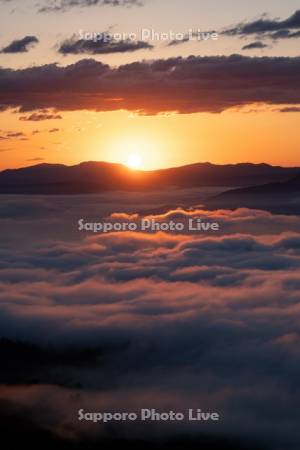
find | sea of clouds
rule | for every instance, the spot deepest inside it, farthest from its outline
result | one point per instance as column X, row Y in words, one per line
column 175, row 321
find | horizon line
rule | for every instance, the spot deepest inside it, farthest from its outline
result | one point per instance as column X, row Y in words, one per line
column 149, row 170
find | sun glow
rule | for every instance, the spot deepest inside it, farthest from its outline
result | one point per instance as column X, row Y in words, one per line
column 134, row 161
column 137, row 150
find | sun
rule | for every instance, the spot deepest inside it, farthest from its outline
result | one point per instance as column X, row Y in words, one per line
column 134, row 161
column 138, row 151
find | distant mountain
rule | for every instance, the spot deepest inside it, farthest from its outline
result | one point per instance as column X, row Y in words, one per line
column 94, row 177
column 283, row 197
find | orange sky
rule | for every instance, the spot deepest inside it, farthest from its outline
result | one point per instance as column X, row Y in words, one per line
column 161, row 141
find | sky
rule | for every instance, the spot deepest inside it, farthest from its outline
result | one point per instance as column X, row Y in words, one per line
column 66, row 100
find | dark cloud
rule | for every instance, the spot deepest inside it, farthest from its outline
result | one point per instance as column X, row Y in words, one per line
column 285, row 34
column 54, row 130
column 39, row 116
column 65, row 5
column 194, row 36
column 81, row 46
column 292, row 109
column 11, row 135
column 186, row 85
column 35, row 159
column 178, row 41
column 254, row 45
column 21, row 45
column 15, row 134
column 267, row 28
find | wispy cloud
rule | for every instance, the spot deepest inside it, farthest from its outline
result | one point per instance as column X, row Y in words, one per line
column 255, row 45
column 268, row 28
column 290, row 109
column 20, row 45
column 81, row 46
column 65, row 5
column 40, row 116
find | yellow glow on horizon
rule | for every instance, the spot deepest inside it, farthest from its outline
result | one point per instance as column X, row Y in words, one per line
column 137, row 150
column 160, row 141
column 134, row 161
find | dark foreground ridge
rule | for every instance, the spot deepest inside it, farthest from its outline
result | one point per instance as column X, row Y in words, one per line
column 283, row 197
